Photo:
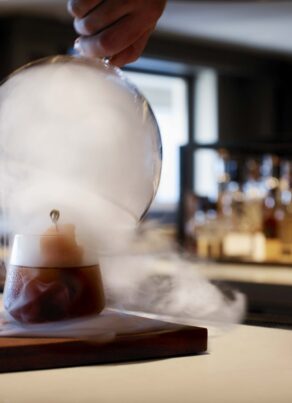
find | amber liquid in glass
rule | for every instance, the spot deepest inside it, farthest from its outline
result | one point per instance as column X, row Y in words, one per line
column 36, row 295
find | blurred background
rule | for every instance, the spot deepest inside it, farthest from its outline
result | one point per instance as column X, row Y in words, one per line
column 218, row 77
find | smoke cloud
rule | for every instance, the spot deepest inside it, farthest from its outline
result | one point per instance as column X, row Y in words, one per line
column 74, row 136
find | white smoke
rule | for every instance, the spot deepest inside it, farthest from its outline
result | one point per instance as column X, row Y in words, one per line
column 75, row 137
column 167, row 285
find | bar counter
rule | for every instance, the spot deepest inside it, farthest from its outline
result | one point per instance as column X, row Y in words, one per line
column 247, row 364
column 248, row 273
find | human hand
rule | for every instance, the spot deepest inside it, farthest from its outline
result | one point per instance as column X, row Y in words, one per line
column 118, row 29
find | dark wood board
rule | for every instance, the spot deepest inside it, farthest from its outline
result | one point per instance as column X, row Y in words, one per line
column 167, row 340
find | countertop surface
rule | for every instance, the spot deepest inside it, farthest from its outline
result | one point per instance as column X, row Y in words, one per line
column 258, row 274
column 246, row 364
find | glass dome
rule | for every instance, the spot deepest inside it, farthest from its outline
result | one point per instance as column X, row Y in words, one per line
column 77, row 136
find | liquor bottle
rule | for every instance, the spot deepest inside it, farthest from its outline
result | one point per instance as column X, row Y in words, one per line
column 254, row 194
column 285, row 230
column 230, row 193
column 272, row 201
column 237, row 241
column 272, row 207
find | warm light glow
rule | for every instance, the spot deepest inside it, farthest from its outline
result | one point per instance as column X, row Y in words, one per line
column 206, row 107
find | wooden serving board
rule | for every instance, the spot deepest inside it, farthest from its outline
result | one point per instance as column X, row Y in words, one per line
column 159, row 340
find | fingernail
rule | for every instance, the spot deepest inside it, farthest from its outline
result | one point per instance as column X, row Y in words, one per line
column 77, row 46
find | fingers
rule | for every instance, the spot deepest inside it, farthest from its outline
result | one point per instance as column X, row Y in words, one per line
column 115, row 28
column 112, row 40
column 131, row 53
column 79, row 8
column 102, row 17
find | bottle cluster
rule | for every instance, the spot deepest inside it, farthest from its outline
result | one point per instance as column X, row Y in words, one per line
column 251, row 219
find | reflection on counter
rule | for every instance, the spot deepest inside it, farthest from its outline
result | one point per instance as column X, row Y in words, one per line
column 3, row 256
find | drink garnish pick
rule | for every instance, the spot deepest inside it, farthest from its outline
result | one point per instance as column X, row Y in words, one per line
column 55, row 215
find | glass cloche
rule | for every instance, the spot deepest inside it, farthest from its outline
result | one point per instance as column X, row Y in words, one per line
column 77, row 136
column 80, row 165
